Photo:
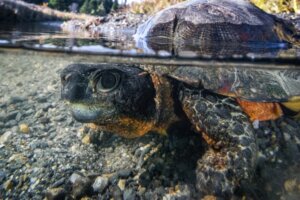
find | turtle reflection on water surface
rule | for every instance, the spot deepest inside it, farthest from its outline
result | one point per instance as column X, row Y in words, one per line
column 133, row 100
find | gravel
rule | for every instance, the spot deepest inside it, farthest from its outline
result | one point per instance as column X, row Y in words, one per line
column 51, row 161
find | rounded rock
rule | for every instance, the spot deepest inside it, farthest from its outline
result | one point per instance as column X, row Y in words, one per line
column 100, row 184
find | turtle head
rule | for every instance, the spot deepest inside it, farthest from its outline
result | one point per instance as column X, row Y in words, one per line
column 113, row 97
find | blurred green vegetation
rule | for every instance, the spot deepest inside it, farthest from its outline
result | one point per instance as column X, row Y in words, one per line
column 93, row 7
column 102, row 7
column 272, row 6
column 278, row 6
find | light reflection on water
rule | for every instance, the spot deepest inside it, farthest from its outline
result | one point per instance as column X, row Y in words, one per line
column 48, row 36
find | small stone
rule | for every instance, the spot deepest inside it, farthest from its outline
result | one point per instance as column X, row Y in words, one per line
column 74, row 177
column 11, row 123
column 5, row 137
column 125, row 173
column 290, row 185
column 81, row 185
column 29, row 112
column 8, row 185
column 56, row 194
column 18, row 157
column 100, row 184
column 2, row 117
column 141, row 190
column 42, row 99
column 286, row 136
column 209, row 197
column 86, row 139
column 24, row 128
column 58, row 183
column 47, row 106
column 59, row 118
column 12, row 115
column 18, row 117
column 44, row 120
column 2, row 176
column 16, row 99
column 129, row 194
column 116, row 193
column 121, row 184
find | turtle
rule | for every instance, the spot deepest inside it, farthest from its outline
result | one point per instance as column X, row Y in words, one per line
column 133, row 99
column 215, row 27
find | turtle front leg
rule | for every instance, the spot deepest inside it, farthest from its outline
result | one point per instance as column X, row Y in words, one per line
column 229, row 133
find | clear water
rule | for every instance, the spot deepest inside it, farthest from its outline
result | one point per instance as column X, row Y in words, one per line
column 33, row 55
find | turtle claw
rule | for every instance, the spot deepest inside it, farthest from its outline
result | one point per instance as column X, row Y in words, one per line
column 212, row 178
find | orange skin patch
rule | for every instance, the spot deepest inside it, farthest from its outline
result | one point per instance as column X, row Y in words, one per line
column 130, row 128
column 260, row 110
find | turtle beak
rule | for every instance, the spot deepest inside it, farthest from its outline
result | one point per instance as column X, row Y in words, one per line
column 74, row 87
column 75, row 90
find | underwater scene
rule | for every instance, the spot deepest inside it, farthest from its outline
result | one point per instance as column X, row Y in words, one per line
column 181, row 105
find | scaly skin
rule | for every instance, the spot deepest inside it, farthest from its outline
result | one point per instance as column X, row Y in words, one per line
column 227, row 129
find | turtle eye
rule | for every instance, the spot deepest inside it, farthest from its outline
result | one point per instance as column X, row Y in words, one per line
column 107, row 81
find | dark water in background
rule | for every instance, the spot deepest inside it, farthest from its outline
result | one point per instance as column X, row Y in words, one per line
column 32, row 55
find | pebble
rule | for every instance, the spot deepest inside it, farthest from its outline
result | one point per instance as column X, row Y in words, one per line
column 12, row 115
column 56, row 194
column 6, row 137
column 100, row 184
column 29, row 112
column 141, row 190
column 290, row 185
column 44, row 120
column 58, row 183
column 81, row 185
column 121, row 184
column 2, row 176
column 2, row 116
column 16, row 99
column 18, row 157
column 11, row 123
column 8, row 185
column 86, row 139
column 209, row 197
column 18, row 117
column 42, row 99
column 124, row 173
column 24, row 128
column 129, row 194
column 116, row 193
column 46, row 107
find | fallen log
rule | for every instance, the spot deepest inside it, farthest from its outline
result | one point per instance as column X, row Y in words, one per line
column 16, row 10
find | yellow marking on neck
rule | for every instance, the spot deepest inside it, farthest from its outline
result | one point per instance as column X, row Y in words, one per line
column 293, row 104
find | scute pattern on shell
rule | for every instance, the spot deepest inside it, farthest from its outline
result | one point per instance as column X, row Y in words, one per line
column 196, row 12
column 277, row 85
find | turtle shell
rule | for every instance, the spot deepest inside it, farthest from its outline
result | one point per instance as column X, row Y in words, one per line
column 260, row 85
column 207, row 21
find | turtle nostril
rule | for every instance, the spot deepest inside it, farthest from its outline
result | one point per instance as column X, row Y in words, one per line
column 66, row 78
